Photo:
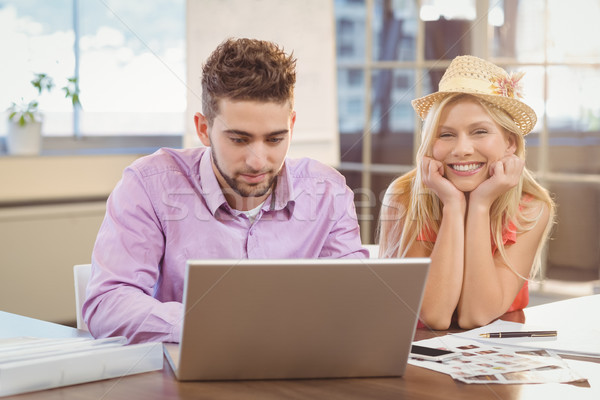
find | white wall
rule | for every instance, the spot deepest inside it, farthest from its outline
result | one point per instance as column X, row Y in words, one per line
column 50, row 212
column 40, row 246
column 306, row 27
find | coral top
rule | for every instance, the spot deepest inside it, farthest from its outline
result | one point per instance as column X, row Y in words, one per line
column 509, row 236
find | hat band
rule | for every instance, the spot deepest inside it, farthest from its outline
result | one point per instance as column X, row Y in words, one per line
column 466, row 85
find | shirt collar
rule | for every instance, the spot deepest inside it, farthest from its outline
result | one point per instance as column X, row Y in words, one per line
column 284, row 191
column 214, row 197
column 211, row 190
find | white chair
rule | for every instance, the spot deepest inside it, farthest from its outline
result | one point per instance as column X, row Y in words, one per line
column 81, row 273
column 373, row 250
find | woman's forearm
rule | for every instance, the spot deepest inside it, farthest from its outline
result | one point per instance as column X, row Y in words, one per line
column 481, row 299
column 444, row 282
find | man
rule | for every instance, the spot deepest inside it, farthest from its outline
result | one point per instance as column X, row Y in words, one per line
column 239, row 197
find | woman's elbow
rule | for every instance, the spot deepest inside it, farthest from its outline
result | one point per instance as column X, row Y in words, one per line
column 472, row 321
column 438, row 322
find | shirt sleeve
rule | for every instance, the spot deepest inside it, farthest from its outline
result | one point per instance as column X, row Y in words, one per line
column 126, row 268
column 343, row 241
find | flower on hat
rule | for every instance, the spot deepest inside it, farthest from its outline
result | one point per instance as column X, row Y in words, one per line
column 508, row 86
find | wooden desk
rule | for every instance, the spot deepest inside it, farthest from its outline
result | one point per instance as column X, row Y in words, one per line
column 417, row 383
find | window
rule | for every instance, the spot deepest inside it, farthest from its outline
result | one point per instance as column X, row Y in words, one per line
column 354, row 107
column 345, row 27
column 402, row 81
column 355, row 77
column 410, row 44
column 129, row 59
column 132, row 67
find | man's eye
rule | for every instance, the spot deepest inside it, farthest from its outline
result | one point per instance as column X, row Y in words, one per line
column 237, row 140
column 275, row 140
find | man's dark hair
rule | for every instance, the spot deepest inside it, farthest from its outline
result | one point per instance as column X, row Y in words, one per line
column 247, row 69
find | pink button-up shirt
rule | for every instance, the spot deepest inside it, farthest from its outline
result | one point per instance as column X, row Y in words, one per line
column 169, row 208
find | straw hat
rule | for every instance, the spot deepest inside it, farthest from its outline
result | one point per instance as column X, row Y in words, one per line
column 477, row 77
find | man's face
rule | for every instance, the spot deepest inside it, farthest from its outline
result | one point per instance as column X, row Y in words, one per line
column 249, row 141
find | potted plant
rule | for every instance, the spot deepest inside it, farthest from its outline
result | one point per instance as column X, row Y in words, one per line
column 25, row 120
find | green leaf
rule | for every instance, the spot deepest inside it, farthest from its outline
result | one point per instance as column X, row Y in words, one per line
column 72, row 91
column 41, row 82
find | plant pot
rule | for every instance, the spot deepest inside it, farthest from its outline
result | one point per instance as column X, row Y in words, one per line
column 24, row 140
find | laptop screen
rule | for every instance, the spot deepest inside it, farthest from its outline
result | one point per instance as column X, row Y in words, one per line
column 281, row 319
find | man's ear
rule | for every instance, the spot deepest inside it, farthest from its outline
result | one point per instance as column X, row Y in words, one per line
column 292, row 123
column 202, row 128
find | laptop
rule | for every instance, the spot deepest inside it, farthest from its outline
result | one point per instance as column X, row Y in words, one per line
column 294, row 319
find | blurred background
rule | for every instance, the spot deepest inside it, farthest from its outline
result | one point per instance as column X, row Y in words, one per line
column 360, row 63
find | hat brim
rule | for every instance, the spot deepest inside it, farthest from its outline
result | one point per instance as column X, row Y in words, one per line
column 521, row 113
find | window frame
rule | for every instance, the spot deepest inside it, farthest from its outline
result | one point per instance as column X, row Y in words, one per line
column 482, row 44
column 77, row 143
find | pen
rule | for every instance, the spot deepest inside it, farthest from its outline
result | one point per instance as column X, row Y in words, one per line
column 519, row 334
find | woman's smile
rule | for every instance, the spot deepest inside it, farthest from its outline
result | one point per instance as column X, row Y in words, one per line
column 466, row 168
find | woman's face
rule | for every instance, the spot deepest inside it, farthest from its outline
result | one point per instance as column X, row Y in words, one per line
column 467, row 142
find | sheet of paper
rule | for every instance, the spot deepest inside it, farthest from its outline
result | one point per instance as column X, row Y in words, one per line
column 579, row 340
column 26, row 348
column 481, row 363
column 29, row 364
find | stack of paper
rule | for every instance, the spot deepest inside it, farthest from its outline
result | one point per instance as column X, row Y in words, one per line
column 480, row 363
column 29, row 364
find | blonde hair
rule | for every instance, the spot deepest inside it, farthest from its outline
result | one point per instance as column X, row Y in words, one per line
column 410, row 209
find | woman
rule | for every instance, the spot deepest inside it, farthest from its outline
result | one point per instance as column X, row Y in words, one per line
column 470, row 204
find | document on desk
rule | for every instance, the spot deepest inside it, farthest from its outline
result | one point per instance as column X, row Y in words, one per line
column 481, row 363
column 28, row 364
column 578, row 341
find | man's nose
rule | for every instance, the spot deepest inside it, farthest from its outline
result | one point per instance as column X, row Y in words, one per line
column 256, row 158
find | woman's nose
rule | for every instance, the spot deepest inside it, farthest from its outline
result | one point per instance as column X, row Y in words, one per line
column 464, row 146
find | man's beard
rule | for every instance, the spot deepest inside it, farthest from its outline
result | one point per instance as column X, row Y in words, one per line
column 244, row 189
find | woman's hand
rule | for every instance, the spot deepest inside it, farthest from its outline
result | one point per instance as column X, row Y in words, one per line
column 504, row 175
column 433, row 178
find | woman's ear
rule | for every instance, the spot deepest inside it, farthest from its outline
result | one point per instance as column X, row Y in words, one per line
column 511, row 142
column 202, row 128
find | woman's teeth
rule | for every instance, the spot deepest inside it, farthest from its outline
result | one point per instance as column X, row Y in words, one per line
column 465, row 167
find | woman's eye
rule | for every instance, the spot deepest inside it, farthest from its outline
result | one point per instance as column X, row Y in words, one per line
column 481, row 131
